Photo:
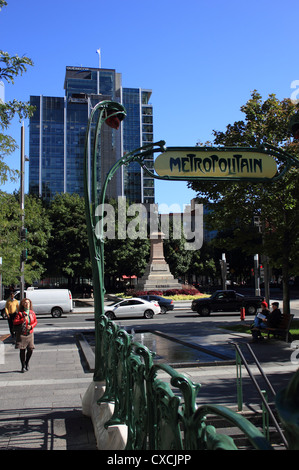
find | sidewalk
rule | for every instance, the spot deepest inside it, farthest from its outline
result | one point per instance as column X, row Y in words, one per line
column 218, row 382
column 42, row 408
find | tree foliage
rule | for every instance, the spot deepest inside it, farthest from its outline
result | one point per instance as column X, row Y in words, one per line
column 125, row 256
column 176, row 255
column 10, row 226
column 235, row 204
column 10, row 68
column 36, row 243
column 68, row 245
column 39, row 228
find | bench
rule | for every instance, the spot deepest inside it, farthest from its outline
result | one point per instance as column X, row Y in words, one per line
column 282, row 331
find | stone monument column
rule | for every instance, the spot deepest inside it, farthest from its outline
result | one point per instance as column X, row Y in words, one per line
column 157, row 275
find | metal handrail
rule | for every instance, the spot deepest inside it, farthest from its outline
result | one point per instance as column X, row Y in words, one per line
column 265, row 403
column 261, row 370
column 159, row 415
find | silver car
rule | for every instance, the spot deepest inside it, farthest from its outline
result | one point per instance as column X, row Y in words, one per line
column 133, row 307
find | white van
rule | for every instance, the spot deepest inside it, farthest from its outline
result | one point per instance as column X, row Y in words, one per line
column 54, row 301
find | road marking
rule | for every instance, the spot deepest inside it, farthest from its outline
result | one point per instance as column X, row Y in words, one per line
column 23, row 383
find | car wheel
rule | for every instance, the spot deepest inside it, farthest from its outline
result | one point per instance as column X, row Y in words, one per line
column 56, row 312
column 163, row 309
column 203, row 311
column 110, row 315
column 148, row 314
column 251, row 309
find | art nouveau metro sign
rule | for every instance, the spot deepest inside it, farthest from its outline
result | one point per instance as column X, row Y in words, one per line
column 215, row 163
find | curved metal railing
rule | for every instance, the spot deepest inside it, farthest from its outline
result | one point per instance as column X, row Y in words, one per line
column 159, row 415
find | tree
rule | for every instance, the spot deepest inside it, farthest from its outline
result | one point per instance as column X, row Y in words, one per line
column 234, row 204
column 68, row 246
column 10, row 225
column 202, row 262
column 11, row 67
column 36, row 243
column 176, row 255
column 126, row 256
column 38, row 227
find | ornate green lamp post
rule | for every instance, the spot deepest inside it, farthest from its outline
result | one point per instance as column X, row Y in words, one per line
column 110, row 113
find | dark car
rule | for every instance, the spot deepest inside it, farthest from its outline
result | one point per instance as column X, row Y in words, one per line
column 226, row 301
column 165, row 304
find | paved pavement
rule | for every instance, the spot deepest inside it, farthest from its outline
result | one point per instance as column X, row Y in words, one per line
column 41, row 408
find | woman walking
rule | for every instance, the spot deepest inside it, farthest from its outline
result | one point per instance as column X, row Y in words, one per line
column 25, row 321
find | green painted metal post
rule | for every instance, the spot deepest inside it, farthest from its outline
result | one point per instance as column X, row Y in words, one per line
column 265, row 417
column 111, row 113
column 239, row 381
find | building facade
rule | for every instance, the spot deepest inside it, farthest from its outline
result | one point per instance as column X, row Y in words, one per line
column 57, row 137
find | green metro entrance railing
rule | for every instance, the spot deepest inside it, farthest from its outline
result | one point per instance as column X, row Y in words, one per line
column 157, row 418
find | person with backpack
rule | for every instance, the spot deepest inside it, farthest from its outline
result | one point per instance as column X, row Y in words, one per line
column 25, row 322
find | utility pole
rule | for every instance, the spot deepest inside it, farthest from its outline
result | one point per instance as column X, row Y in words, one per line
column 256, row 275
column 99, row 52
column 223, row 265
column 1, row 278
column 22, row 207
column 267, row 279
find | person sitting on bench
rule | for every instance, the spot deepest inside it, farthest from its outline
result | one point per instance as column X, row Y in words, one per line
column 266, row 319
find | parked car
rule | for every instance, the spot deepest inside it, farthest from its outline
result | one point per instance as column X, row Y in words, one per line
column 165, row 304
column 226, row 301
column 2, row 307
column 54, row 301
column 134, row 307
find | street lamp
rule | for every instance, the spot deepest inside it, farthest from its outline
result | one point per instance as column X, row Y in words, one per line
column 110, row 113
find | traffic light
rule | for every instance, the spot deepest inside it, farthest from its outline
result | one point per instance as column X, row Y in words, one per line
column 24, row 234
column 24, row 255
column 227, row 268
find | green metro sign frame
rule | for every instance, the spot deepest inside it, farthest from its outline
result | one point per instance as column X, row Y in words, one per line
column 222, row 163
column 236, row 160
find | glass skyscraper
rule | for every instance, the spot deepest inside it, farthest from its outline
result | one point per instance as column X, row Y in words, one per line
column 57, row 137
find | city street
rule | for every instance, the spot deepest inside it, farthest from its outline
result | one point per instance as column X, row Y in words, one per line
column 83, row 318
column 80, row 319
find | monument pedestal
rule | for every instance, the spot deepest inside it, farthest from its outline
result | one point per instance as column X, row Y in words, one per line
column 157, row 275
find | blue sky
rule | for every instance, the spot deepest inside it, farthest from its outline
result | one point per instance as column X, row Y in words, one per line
column 200, row 58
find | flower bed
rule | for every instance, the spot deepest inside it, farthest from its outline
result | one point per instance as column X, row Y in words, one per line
column 187, row 293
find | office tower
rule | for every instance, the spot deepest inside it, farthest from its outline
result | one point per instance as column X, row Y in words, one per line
column 57, row 137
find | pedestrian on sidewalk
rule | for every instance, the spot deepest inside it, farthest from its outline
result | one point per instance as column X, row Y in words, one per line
column 25, row 322
column 11, row 309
